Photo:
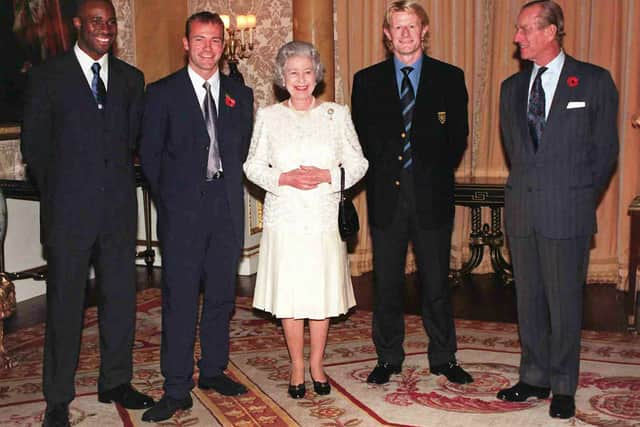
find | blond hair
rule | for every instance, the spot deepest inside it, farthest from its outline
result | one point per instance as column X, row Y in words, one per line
column 410, row 6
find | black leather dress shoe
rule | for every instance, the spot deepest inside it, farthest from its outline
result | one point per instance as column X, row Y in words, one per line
column 222, row 384
column 453, row 372
column 382, row 372
column 321, row 388
column 56, row 416
column 166, row 407
column 127, row 396
column 297, row 391
column 522, row 391
column 562, row 406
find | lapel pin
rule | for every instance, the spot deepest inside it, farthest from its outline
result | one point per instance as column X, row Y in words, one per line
column 442, row 117
column 573, row 81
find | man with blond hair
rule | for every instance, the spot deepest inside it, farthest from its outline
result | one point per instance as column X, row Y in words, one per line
column 410, row 112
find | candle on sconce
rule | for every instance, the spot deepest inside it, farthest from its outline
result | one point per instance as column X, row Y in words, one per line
column 241, row 23
column 251, row 23
column 225, row 21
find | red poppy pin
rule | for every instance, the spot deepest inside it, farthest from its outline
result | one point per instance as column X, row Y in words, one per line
column 573, row 81
column 229, row 101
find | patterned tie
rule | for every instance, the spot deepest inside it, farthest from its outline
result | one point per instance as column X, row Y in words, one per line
column 407, row 101
column 97, row 87
column 214, row 164
column 536, row 111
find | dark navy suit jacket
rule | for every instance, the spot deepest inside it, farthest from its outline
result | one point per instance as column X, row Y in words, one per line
column 80, row 157
column 173, row 149
column 555, row 190
column 438, row 138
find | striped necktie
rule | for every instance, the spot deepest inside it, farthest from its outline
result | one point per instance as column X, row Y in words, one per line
column 407, row 102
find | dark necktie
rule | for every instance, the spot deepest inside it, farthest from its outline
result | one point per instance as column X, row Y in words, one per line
column 536, row 111
column 407, row 102
column 97, row 87
column 214, row 164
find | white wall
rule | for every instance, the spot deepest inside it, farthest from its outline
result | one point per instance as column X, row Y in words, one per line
column 22, row 249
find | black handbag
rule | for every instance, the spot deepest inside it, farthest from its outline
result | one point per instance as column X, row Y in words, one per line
column 348, row 223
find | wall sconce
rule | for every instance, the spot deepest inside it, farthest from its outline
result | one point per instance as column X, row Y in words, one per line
column 239, row 41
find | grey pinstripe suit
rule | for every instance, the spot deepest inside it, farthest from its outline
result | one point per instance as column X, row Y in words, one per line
column 550, row 212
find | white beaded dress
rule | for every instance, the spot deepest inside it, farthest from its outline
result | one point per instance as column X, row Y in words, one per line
column 303, row 269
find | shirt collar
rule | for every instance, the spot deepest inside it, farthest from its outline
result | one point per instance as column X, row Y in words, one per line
column 86, row 61
column 198, row 81
column 553, row 67
column 417, row 66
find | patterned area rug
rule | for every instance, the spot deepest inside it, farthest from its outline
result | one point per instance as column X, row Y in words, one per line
column 608, row 394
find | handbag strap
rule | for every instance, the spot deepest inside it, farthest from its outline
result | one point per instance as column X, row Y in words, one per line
column 341, row 183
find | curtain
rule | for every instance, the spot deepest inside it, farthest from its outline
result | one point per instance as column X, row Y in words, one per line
column 477, row 35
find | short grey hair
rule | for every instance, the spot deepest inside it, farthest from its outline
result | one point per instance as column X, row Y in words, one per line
column 297, row 48
column 550, row 14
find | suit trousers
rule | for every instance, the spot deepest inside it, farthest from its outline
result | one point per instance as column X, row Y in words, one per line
column 203, row 257
column 549, row 276
column 432, row 251
column 114, row 261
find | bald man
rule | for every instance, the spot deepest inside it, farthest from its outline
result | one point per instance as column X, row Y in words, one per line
column 81, row 121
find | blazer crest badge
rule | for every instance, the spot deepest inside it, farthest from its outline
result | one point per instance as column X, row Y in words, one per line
column 442, row 117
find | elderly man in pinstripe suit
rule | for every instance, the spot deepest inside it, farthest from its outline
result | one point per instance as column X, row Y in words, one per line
column 558, row 122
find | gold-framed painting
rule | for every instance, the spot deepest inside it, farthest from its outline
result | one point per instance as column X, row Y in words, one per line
column 11, row 163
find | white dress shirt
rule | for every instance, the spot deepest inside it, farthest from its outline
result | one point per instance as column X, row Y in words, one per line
column 197, row 83
column 549, row 80
column 86, row 62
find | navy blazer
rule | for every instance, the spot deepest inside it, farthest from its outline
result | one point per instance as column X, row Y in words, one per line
column 174, row 144
column 438, row 138
column 555, row 190
column 82, row 158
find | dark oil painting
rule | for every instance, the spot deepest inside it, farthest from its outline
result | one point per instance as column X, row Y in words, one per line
column 30, row 32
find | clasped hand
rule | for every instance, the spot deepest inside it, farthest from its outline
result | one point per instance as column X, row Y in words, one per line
column 305, row 177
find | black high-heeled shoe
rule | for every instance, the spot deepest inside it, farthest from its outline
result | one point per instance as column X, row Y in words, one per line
column 297, row 391
column 321, row 388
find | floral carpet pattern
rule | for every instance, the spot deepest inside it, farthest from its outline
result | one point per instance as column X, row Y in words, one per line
column 608, row 394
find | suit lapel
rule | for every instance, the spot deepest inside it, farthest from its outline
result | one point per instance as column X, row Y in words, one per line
column 115, row 91
column 559, row 101
column 388, row 93
column 224, row 111
column 192, row 106
column 521, row 105
column 75, row 75
column 424, row 91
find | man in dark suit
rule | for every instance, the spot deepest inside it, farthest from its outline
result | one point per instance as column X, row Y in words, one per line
column 558, row 123
column 195, row 136
column 81, row 121
column 410, row 113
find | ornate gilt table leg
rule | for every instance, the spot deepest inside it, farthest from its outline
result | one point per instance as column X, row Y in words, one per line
column 7, row 289
column 150, row 253
column 499, row 264
column 476, row 244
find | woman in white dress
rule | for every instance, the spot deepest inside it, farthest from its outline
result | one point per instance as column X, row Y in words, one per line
column 296, row 152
